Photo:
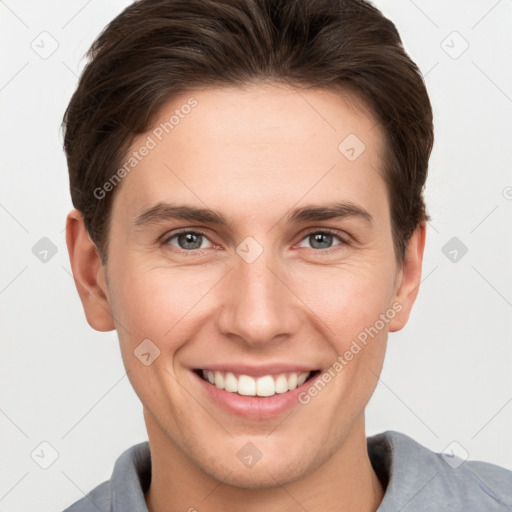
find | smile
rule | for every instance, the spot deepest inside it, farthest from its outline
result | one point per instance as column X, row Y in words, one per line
column 263, row 386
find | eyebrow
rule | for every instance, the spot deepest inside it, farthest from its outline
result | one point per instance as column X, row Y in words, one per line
column 162, row 211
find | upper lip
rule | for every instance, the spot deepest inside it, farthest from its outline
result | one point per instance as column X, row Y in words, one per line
column 257, row 371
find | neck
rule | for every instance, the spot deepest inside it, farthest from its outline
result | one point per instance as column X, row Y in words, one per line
column 345, row 482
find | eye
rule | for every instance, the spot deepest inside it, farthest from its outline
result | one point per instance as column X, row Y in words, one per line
column 324, row 239
column 187, row 240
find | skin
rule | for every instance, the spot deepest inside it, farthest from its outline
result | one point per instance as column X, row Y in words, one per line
column 253, row 154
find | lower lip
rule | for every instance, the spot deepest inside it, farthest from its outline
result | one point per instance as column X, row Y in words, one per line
column 254, row 407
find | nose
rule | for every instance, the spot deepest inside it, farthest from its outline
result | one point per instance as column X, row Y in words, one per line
column 258, row 306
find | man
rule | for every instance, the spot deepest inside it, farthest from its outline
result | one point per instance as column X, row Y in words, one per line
column 248, row 177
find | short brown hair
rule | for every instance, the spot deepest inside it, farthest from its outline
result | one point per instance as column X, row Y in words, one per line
column 156, row 49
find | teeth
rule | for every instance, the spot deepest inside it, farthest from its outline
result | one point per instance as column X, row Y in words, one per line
column 302, row 378
column 220, row 379
column 281, row 384
column 268, row 385
column 246, row 385
column 292, row 381
column 230, row 384
column 265, row 386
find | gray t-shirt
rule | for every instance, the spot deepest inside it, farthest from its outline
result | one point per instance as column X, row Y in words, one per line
column 415, row 479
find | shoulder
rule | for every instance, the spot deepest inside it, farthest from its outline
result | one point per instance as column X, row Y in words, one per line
column 99, row 499
column 422, row 480
column 125, row 489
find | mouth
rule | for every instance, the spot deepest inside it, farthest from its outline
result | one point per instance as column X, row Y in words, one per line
column 262, row 386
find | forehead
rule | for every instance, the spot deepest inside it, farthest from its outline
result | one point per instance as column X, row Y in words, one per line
column 266, row 146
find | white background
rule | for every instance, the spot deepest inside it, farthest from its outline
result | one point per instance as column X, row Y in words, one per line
column 447, row 375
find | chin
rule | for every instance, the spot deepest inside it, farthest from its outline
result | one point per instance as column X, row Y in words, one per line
column 271, row 471
column 261, row 477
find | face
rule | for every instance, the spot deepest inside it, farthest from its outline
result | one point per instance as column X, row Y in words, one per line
column 269, row 260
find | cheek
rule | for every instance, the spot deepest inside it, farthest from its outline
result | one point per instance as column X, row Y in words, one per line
column 348, row 298
column 155, row 304
column 151, row 303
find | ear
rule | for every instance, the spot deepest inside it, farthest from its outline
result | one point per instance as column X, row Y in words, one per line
column 409, row 278
column 88, row 273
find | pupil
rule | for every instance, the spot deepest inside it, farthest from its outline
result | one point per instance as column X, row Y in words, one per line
column 190, row 241
column 327, row 239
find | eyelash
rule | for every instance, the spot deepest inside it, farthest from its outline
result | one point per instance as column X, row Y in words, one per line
column 324, row 231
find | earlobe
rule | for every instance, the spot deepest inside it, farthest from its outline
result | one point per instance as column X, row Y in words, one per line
column 410, row 280
column 88, row 273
